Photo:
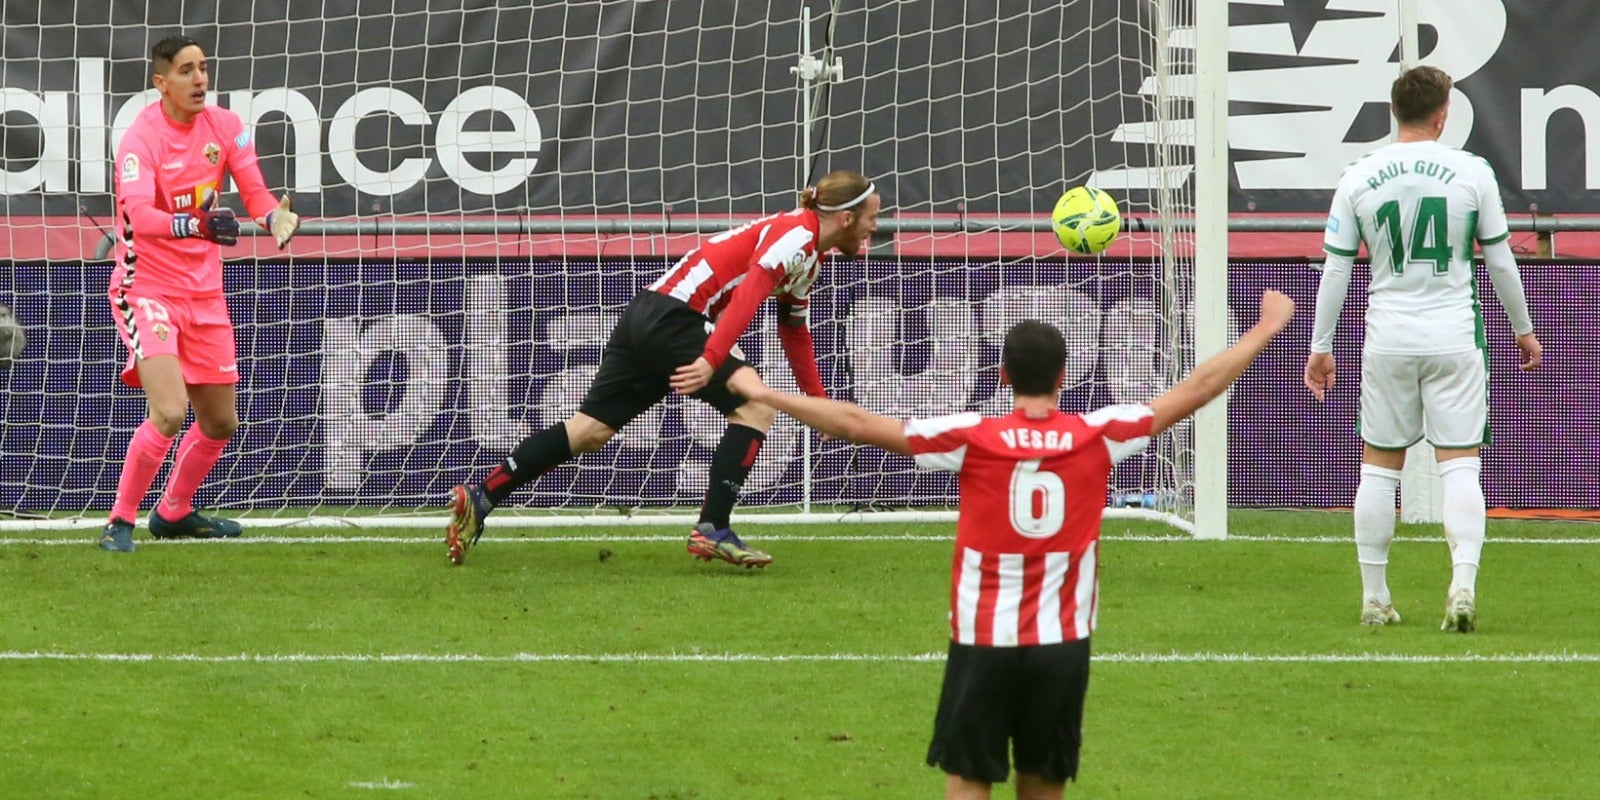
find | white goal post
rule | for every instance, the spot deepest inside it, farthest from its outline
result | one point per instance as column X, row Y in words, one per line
column 1211, row 259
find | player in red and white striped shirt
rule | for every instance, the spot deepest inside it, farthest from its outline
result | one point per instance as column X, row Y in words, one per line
column 1024, row 576
column 679, row 335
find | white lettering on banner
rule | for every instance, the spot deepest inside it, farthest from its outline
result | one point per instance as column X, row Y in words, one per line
column 1356, row 72
column 1345, row 56
column 1538, row 106
column 92, row 155
column 346, row 158
column 1120, row 340
column 1072, row 312
column 50, row 112
column 874, row 336
column 1128, row 351
column 453, row 144
column 349, row 432
column 485, row 340
column 306, row 175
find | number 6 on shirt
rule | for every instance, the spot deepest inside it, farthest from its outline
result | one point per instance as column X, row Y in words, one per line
column 1038, row 500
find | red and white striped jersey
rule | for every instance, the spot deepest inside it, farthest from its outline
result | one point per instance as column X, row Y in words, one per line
column 782, row 247
column 729, row 276
column 1032, row 494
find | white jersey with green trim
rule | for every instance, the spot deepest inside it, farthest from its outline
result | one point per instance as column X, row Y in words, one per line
column 1419, row 207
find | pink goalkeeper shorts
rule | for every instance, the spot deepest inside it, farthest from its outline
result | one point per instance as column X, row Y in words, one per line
column 195, row 329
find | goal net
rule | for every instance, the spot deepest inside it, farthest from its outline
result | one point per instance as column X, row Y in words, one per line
column 486, row 188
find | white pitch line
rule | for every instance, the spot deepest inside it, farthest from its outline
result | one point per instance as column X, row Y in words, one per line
column 439, row 541
column 381, row 784
column 71, row 540
column 1350, row 540
column 761, row 658
column 457, row 658
column 1348, row 658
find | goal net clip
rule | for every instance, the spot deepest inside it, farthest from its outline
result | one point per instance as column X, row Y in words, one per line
column 815, row 69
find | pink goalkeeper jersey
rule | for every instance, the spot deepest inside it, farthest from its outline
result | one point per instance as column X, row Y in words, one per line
column 165, row 168
column 1032, row 494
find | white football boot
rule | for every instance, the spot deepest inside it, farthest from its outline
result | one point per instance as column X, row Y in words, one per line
column 1376, row 613
column 1461, row 612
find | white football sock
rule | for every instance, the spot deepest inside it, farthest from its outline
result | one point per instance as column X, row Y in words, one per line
column 1374, row 519
column 1463, row 518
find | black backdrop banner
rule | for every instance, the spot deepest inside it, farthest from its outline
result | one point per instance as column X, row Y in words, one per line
column 655, row 108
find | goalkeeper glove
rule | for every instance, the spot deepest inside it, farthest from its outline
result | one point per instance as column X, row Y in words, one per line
column 207, row 222
column 283, row 222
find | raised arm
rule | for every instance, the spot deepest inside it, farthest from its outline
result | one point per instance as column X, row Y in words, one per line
column 1213, row 377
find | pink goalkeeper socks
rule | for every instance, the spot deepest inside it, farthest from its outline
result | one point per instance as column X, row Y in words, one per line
column 146, row 450
column 197, row 454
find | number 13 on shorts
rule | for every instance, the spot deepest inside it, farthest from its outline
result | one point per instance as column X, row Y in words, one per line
column 153, row 310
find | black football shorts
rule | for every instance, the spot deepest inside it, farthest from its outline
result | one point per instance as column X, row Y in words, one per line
column 655, row 335
column 1026, row 699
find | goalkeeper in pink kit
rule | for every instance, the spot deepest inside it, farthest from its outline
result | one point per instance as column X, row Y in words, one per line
column 166, row 288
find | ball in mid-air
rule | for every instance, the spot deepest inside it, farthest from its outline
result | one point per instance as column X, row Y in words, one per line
column 1086, row 220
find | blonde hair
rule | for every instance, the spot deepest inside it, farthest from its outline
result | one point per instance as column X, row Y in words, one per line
column 836, row 188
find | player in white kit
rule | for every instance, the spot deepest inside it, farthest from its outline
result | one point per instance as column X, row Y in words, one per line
column 1419, row 206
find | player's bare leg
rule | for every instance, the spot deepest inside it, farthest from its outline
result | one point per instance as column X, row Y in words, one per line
column 959, row 788
column 1032, row 786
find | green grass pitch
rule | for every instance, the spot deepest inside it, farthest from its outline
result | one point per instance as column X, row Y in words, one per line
column 622, row 668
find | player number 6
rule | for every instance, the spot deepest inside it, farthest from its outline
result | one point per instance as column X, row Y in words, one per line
column 1031, row 491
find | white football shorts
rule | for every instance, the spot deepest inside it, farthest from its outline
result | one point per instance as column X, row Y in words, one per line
column 1443, row 397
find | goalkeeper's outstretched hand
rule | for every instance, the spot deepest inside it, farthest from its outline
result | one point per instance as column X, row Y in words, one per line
column 282, row 221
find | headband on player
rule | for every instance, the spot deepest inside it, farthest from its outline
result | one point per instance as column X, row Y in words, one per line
column 842, row 206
